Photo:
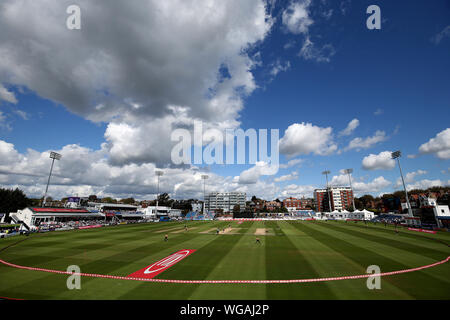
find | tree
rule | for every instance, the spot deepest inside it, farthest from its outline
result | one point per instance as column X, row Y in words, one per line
column 128, row 201
column 12, row 200
column 93, row 198
column 399, row 194
column 108, row 200
column 236, row 208
column 164, row 200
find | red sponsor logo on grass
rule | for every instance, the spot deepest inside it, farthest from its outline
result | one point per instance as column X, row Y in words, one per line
column 154, row 269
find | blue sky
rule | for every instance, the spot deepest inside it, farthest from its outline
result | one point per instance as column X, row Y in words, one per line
column 394, row 81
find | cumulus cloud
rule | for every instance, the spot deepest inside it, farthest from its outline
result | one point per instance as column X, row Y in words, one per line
column 375, row 185
column 352, row 125
column 298, row 191
column 365, row 143
column 296, row 17
column 439, row 145
column 305, row 138
column 291, row 163
column 410, row 177
column 278, row 67
column 252, row 175
column 381, row 161
column 4, row 124
column 6, row 95
column 133, row 65
column 129, row 55
column 287, row 177
column 310, row 51
column 83, row 171
column 426, row 183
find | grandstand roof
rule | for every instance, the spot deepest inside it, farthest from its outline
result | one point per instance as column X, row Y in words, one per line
column 58, row 210
column 63, row 212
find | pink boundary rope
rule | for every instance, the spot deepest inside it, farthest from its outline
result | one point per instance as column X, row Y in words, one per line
column 228, row 281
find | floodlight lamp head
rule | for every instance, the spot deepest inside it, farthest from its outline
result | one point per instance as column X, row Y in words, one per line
column 326, row 172
column 159, row 173
column 396, row 154
column 348, row 171
column 204, row 176
column 54, row 155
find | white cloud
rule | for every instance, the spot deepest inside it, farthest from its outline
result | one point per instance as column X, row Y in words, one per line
column 22, row 114
column 441, row 35
column 305, row 138
column 375, row 185
column 296, row 17
column 290, row 163
column 252, row 175
column 298, row 191
column 309, row 51
column 278, row 67
column 287, row 177
column 119, row 64
column 439, row 145
column 361, row 187
column 426, row 183
column 410, row 177
column 352, row 125
column 6, row 95
column 365, row 143
column 134, row 75
column 83, row 171
column 4, row 124
column 378, row 112
column 381, row 161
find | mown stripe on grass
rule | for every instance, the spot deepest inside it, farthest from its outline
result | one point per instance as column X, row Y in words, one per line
column 417, row 284
column 285, row 261
column 197, row 266
column 434, row 241
column 407, row 257
column 245, row 261
column 390, row 241
column 105, row 265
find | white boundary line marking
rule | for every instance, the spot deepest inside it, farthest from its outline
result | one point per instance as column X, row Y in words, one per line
column 93, row 275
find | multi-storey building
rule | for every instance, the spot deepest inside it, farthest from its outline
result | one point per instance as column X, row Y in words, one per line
column 341, row 198
column 273, row 205
column 225, row 201
column 293, row 204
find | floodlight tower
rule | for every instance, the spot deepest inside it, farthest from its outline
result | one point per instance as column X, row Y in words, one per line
column 349, row 172
column 158, row 173
column 54, row 156
column 326, row 173
column 204, row 178
column 396, row 155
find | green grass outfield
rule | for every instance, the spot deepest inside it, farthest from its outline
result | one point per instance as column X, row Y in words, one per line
column 290, row 250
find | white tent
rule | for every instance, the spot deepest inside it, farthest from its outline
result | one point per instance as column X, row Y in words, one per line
column 368, row 215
